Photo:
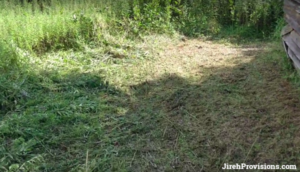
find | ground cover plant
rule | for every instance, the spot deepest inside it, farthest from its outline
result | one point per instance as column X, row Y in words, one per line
column 144, row 86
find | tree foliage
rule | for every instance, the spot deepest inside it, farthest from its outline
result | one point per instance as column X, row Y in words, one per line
column 210, row 15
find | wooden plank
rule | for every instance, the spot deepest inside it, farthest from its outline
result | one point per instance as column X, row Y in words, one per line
column 295, row 13
column 296, row 61
column 291, row 54
column 291, row 33
column 292, row 44
column 292, row 13
column 288, row 8
column 296, row 1
column 289, row 41
column 291, row 2
column 292, row 20
column 294, row 24
column 286, row 30
column 296, row 39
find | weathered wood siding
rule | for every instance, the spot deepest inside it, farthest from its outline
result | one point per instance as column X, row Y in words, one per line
column 292, row 13
column 291, row 33
column 291, row 45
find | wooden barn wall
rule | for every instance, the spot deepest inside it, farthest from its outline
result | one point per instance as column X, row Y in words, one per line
column 292, row 13
column 291, row 33
column 292, row 40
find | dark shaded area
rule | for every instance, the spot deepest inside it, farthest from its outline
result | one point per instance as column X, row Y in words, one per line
column 246, row 114
column 51, row 113
column 57, row 42
column 41, row 4
column 51, row 82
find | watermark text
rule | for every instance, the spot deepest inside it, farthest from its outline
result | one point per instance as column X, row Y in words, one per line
column 244, row 166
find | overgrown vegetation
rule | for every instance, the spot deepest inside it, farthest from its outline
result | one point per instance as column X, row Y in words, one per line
column 104, row 85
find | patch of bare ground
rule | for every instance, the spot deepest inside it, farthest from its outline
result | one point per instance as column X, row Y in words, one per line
column 201, row 104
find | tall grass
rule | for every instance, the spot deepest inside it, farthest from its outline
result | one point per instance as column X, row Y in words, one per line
column 40, row 26
column 60, row 26
column 32, row 29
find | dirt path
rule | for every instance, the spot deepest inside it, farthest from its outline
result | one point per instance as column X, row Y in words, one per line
column 201, row 104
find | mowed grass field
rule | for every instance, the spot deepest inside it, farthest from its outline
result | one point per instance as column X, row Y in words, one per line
column 188, row 105
column 83, row 91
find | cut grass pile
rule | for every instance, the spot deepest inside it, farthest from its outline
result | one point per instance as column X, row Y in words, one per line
column 193, row 106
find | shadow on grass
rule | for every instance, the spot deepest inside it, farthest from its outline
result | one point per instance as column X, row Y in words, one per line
column 239, row 35
column 241, row 114
column 55, row 116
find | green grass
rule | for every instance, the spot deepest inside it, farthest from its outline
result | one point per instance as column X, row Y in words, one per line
column 150, row 115
column 87, row 93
